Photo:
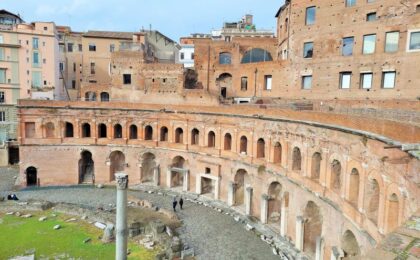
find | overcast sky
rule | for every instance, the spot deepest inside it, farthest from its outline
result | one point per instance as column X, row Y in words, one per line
column 175, row 18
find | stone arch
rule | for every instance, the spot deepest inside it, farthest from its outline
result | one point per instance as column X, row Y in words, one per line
column 243, row 145
column 211, row 139
column 350, row 246
column 148, row 165
column 164, row 133
column 261, row 148
column 239, row 180
column 256, row 55
column 227, row 144
column 86, row 167
column 177, row 178
column 277, row 153
column 354, row 183
column 195, row 136
column 90, row 96
column 296, row 159
column 102, row 131
column 49, row 130
column 133, row 132
column 86, row 132
column 336, row 176
column 68, row 130
column 148, row 133
column 104, row 96
column 224, row 81
column 312, row 227
column 274, row 202
column 117, row 163
column 316, row 166
column 31, row 176
column 179, row 135
column 118, row 131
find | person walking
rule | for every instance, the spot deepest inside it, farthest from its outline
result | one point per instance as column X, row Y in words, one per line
column 181, row 202
column 174, row 203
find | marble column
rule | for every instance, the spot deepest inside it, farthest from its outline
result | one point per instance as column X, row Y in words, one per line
column 168, row 178
column 300, row 229
column 319, row 254
column 264, row 208
column 121, row 232
column 185, row 177
column 248, row 201
column 231, row 194
column 156, row 176
column 283, row 221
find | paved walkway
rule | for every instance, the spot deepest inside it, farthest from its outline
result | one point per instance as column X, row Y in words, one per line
column 213, row 235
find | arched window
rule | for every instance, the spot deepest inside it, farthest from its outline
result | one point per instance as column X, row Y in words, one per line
column 102, row 131
column 85, row 130
column 211, row 141
column 277, row 153
column 90, row 96
column 316, row 166
column 243, row 146
column 354, row 187
column 148, row 133
column 133, row 132
column 69, row 132
column 104, row 97
column 117, row 131
column 296, row 159
column 372, row 198
column 336, row 176
column 164, row 134
column 260, row 148
column 195, row 135
column 179, row 136
column 228, row 142
column 256, row 55
column 49, row 130
column 392, row 212
column 225, row 58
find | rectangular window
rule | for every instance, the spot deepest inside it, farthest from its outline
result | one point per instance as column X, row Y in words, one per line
column 308, row 49
column 29, row 129
column 70, row 47
column 92, row 47
column 244, row 83
column 2, row 54
column 414, row 41
column 92, row 68
column 2, row 116
column 345, row 80
column 307, row 82
column 310, row 15
column 73, row 84
column 2, row 76
column 418, row 9
column 112, row 48
column 80, row 47
column 388, row 79
column 1, row 39
column 127, row 79
column 192, row 55
column 350, row 3
column 391, row 41
column 268, row 79
column 347, row 47
column 371, row 17
column 369, row 42
column 35, row 43
column 61, row 66
column 2, row 98
column 35, row 59
column 182, row 56
column 61, row 48
column 366, row 80
column 74, row 66
column 36, row 79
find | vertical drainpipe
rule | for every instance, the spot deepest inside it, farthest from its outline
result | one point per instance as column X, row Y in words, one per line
column 255, row 82
column 208, row 69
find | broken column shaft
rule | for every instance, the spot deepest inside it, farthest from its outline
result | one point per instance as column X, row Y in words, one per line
column 121, row 226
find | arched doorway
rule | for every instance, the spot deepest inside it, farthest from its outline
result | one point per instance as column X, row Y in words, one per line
column 243, row 147
column 224, row 81
column 316, row 166
column 312, row 228
column 117, row 163
column 296, row 159
column 274, row 203
column 354, row 187
column 277, row 153
column 148, row 166
column 260, row 148
column 336, row 176
column 372, row 200
column 31, row 176
column 392, row 212
column 240, row 187
column 177, row 172
column 86, row 168
column 350, row 246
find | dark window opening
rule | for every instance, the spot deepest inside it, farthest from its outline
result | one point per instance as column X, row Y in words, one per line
column 127, row 79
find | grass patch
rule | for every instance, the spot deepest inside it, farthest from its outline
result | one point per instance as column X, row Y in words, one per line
column 21, row 236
